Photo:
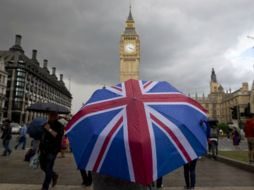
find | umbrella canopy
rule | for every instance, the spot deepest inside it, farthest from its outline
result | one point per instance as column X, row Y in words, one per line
column 48, row 107
column 137, row 130
column 35, row 128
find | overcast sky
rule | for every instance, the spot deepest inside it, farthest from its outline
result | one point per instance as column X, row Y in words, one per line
column 181, row 41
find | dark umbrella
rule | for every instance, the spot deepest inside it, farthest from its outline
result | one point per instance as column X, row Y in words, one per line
column 48, row 107
column 35, row 128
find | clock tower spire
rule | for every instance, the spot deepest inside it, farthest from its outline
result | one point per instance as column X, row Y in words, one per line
column 129, row 51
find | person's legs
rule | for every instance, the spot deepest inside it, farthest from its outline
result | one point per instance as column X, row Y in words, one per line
column 89, row 177
column 251, row 149
column 19, row 142
column 159, row 182
column 186, row 175
column 84, row 176
column 24, row 143
column 193, row 173
column 7, row 149
column 47, row 163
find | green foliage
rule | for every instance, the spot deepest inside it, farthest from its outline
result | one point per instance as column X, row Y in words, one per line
column 224, row 127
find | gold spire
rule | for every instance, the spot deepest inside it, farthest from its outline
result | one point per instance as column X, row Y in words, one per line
column 130, row 15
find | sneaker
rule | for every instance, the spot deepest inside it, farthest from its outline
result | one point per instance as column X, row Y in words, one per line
column 54, row 180
column 160, row 187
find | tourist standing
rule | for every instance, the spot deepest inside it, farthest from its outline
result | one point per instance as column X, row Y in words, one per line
column 236, row 137
column 249, row 134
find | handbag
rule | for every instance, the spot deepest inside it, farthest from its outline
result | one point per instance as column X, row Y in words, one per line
column 34, row 161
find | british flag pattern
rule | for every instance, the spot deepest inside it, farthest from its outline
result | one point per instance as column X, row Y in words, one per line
column 137, row 130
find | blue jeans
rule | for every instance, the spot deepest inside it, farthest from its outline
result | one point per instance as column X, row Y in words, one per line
column 190, row 174
column 7, row 149
column 47, row 161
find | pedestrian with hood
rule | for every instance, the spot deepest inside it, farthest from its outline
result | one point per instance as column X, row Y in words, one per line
column 50, row 145
column 6, row 137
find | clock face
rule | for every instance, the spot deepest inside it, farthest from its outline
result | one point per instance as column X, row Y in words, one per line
column 129, row 48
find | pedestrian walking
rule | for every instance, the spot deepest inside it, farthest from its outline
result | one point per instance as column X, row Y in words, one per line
column 190, row 174
column 22, row 137
column 249, row 134
column 50, row 145
column 6, row 137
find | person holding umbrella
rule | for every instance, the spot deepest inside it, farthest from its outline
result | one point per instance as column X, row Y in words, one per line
column 50, row 145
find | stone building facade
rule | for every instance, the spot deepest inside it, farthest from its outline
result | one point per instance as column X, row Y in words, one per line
column 221, row 105
column 129, row 51
column 29, row 83
column 3, row 86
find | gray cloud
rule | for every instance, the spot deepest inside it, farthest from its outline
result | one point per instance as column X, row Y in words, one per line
column 180, row 40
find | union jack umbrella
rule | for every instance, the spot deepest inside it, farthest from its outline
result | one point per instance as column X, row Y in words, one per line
column 137, row 130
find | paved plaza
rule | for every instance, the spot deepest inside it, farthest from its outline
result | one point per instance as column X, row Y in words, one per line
column 211, row 174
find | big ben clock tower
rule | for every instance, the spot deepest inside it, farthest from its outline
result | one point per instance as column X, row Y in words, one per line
column 129, row 51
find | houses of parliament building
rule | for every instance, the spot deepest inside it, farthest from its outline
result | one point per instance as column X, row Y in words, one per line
column 226, row 106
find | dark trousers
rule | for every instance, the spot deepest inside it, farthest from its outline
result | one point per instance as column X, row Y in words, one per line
column 86, row 177
column 159, row 182
column 189, row 174
column 47, row 161
column 7, row 149
column 22, row 140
